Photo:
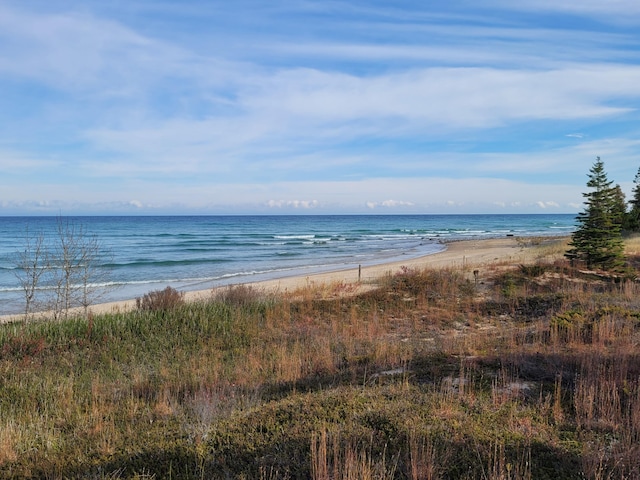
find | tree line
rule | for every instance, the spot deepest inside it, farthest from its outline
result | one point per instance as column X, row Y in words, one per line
column 606, row 218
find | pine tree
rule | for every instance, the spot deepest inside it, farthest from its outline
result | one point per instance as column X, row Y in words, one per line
column 598, row 239
column 619, row 208
column 633, row 217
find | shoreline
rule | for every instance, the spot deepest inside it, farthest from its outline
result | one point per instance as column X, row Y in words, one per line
column 457, row 254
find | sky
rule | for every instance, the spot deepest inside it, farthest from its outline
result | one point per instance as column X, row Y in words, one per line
column 313, row 107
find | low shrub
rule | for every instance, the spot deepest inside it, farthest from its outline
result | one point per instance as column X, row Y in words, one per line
column 535, row 270
column 238, row 295
column 160, row 300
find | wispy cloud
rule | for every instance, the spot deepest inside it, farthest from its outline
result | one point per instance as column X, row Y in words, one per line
column 389, row 204
column 294, row 110
column 625, row 11
column 217, row 105
column 296, row 204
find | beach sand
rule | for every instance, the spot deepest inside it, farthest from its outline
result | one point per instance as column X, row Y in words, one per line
column 466, row 254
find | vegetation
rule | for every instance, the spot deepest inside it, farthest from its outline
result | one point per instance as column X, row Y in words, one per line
column 598, row 239
column 61, row 273
column 31, row 265
column 633, row 218
column 160, row 300
column 531, row 372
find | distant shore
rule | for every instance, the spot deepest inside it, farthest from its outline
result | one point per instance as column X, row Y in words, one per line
column 458, row 254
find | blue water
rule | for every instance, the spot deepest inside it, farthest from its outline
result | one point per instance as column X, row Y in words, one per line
column 140, row 254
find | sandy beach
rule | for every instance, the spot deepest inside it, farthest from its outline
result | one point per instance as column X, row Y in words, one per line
column 458, row 254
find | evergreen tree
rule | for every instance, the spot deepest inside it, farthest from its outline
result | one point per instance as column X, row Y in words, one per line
column 633, row 217
column 619, row 208
column 598, row 239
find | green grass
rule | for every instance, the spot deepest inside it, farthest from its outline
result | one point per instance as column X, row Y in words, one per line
column 531, row 373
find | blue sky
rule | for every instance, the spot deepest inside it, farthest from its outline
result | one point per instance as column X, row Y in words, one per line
column 158, row 107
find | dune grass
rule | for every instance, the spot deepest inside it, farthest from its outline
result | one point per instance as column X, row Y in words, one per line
column 527, row 372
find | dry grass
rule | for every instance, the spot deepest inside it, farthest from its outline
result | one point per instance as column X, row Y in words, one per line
column 632, row 245
column 528, row 371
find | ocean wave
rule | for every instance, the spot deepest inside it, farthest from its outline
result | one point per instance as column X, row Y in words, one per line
column 166, row 263
column 294, row 237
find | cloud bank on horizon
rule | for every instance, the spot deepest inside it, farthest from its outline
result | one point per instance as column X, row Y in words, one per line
column 155, row 106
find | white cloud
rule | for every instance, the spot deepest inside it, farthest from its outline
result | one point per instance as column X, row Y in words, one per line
column 545, row 205
column 95, row 59
column 397, row 203
column 446, row 97
column 297, row 204
column 389, row 204
column 17, row 162
column 66, row 50
column 299, row 110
